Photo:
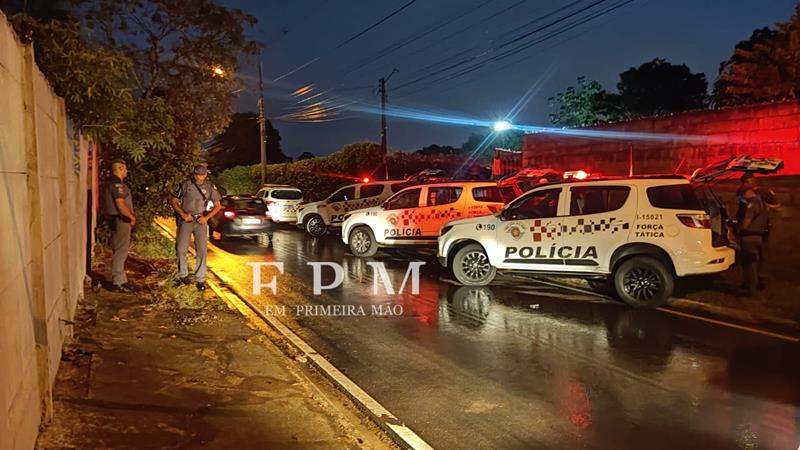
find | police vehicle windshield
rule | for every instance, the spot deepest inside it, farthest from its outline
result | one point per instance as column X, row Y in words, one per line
column 286, row 194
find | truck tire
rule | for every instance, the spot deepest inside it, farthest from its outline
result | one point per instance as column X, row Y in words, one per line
column 471, row 266
column 644, row 282
column 362, row 242
column 315, row 226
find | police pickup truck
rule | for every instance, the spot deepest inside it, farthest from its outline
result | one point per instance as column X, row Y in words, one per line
column 415, row 215
column 317, row 217
column 640, row 233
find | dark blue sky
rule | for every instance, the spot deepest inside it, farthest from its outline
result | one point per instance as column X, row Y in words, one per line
column 699, row 33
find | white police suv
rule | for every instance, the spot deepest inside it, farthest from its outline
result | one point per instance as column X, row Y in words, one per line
column 415, row 215
column 317, row 217
column 282, row 202
column 639, row 233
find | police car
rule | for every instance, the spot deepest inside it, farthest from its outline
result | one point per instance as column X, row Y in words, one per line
column 638, row 233
column 527, row 179
column 282, row 202
column 415, row 215
column 317, row 217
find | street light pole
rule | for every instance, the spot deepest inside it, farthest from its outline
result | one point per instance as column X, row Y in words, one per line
column 262, row 124
column 384, row 148
column 384, row 144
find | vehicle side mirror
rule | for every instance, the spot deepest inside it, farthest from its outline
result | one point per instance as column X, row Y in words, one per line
column 504, row 214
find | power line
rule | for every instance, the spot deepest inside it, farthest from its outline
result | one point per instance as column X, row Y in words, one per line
column 469, row 27
column 389, row 49
column 366, row 30
column 348, row 40
column 468, row 60
column 519, row 48
column 524, row 47
column 402, row 43
column 471, row 80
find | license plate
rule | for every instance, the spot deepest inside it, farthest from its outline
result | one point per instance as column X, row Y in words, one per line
column 250, row 220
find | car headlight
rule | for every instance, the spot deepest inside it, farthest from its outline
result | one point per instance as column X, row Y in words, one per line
column 445, row 229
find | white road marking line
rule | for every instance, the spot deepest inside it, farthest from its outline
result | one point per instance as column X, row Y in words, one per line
column 385, row 419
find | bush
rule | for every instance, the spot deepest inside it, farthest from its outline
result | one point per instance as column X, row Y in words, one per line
column 402, row 165
column 240, row 179
column 317, row 177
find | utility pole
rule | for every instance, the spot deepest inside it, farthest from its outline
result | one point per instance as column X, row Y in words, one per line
column 262, row 123
column 384, row 145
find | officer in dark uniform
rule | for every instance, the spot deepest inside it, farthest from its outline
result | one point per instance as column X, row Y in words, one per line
column 753, row 230
column 194, row 201
column 117, row 208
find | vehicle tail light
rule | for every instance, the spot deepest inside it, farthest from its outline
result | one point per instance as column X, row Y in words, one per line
column 494, row 208
column 229, row 214
column 695, row 220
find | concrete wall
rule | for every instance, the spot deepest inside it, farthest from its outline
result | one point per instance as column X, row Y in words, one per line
column 43, row 239
column 691, row 140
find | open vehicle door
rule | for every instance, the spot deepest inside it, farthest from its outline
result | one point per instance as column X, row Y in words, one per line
column 720, row 219
column 742, row 164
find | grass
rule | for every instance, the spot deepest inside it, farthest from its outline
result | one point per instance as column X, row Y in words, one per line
column 149, row 243
column 185, row 297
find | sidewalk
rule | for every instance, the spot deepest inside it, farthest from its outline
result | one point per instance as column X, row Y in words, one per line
column 173, row 368
column 720, row 295
column 777, row 305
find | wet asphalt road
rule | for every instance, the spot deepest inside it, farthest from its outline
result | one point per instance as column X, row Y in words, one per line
column 522, row 364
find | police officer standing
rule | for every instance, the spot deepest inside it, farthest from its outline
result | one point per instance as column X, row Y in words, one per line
column 753, row 231
column 117, row 208
column 194, row 201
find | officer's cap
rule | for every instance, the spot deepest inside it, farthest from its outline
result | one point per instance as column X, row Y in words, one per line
column 200, row 170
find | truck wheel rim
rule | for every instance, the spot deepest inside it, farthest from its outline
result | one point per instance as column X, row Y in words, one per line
column 642, row 283
column 476, row 265
column 315, row 225
column 361, row 242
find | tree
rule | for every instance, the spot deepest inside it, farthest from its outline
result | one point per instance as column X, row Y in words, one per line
column 585, row 104
column 92, row 81
column 658, row 87
column 510, row 140
column 762, row 68
column 239, row 144
column 655, row 87
column 435, row 149
column 305, row 155
column 41, row 10
column 172, row 50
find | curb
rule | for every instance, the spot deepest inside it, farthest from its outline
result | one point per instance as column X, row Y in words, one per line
column 399, row 433
column 687, row 305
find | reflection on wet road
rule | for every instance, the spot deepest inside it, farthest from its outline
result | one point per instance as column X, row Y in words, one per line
column 522, row 364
